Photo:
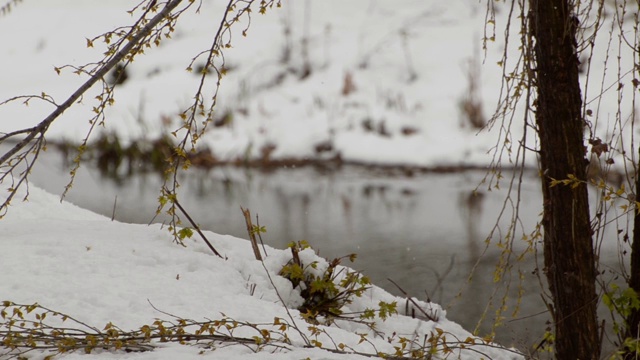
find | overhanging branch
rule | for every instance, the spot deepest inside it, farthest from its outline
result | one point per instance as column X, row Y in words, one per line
column 42, row 127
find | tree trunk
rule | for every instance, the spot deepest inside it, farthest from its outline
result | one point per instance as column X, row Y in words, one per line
column 568, row 248
column 633, row 320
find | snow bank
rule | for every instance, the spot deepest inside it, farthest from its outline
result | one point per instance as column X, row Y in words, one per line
column 99, row 271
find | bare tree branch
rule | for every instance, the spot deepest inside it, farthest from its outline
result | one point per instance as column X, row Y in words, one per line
column 42, row 127
column 10, row 160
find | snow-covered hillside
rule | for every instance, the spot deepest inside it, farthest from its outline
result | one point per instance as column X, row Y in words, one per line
column 376, row 82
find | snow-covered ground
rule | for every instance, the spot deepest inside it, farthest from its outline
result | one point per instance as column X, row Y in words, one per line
column 98, row 271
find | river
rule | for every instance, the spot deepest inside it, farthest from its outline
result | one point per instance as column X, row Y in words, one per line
column 425, row 231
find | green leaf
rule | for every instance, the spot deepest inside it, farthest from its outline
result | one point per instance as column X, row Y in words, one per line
column 185, row 233
column 292, row 272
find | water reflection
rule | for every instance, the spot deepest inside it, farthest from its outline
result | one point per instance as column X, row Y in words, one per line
column 426, row 232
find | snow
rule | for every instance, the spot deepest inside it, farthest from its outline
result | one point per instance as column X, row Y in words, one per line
column 98, row 271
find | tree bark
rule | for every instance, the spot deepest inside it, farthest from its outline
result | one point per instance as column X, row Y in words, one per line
column 633, row 320
column 568, row 249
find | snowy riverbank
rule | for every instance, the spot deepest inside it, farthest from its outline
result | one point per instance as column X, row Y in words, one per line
column 99, row 271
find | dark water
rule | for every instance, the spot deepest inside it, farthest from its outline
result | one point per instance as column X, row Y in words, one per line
column 425, row 232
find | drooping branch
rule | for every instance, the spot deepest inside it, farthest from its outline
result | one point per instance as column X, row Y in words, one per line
column 191, row 128
column 134, row 40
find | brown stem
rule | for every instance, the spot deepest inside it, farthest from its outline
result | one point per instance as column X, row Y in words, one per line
column 252, row 233
column 195, row 226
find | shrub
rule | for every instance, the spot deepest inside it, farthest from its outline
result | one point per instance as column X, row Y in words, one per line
column 325, row 290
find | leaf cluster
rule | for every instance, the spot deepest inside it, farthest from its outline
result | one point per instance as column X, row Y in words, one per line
column 622, row 302
column 327, row 289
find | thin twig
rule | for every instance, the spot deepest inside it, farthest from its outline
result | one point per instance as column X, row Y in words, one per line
column 195, row 226
column 429, row 316
column 286, row 309
column 14, row 133
column 260, row 236
column 113, row 212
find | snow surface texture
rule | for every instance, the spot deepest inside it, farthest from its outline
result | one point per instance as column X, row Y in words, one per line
column 98, row 271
